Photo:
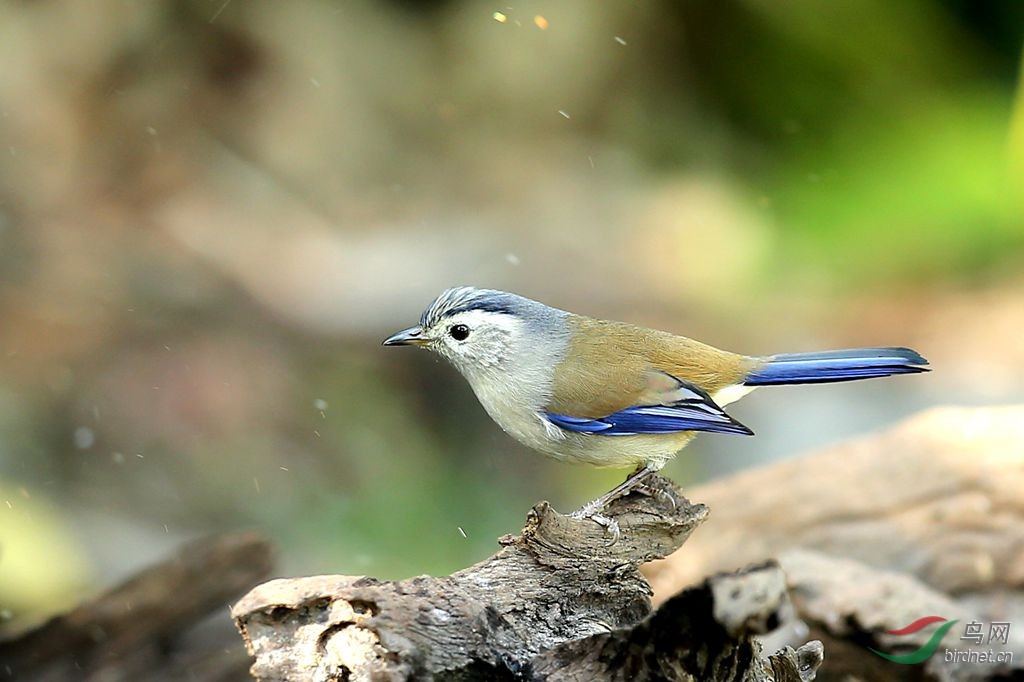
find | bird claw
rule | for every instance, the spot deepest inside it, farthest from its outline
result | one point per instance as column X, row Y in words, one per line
column 659, row 494
column 611, row 528
column 610, row 525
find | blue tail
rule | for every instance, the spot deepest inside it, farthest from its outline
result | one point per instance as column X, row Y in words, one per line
column 836, row 365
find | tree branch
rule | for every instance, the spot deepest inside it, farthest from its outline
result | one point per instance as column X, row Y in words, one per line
column 133, row 631
column 557, row 602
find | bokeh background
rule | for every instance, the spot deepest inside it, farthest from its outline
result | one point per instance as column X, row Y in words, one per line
column 212, row 211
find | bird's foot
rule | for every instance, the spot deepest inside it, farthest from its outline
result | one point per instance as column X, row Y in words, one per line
column 659, row 494
column 610, row 525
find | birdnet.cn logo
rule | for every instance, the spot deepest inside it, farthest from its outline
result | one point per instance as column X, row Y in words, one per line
column 973, row 636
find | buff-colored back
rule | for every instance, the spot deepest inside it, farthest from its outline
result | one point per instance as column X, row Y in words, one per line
column 608, row 367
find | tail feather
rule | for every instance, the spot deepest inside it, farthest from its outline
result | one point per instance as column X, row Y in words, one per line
column 836, row 365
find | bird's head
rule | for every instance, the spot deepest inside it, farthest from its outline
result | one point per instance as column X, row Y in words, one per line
column 481, row 330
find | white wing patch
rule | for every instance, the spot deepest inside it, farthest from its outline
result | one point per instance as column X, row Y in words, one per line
column 731, row 394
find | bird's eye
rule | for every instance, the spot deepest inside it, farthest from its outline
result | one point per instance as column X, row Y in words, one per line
column 459, row 332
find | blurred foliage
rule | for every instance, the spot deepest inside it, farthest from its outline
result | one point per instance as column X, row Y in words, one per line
column 41, row 567
column 211, row 212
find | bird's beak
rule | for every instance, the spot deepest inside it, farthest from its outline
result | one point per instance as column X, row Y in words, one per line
column 407, row 337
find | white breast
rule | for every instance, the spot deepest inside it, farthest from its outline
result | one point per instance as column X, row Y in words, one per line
column 516, row 405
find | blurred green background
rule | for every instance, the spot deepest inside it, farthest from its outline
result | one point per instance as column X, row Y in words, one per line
column 211, row 212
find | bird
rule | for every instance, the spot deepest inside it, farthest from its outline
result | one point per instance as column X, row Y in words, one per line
column 612, row 394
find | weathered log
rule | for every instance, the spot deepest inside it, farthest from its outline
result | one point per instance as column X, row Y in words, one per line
column 938, row 496
column 131, row 632
column 851, row 606
column 933, row 506
column 704, row 633
column 557, row 602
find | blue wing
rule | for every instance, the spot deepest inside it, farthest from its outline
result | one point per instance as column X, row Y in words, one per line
column 693, row 411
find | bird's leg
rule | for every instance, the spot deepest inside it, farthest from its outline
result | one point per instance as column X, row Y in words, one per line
column 659, row 494
column 590, row 509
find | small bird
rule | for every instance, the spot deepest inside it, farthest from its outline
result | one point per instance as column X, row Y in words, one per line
column 611, row 394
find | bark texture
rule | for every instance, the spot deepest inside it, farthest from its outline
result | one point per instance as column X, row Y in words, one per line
column 850, row 606
column 924, row 519
column 557, row 602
